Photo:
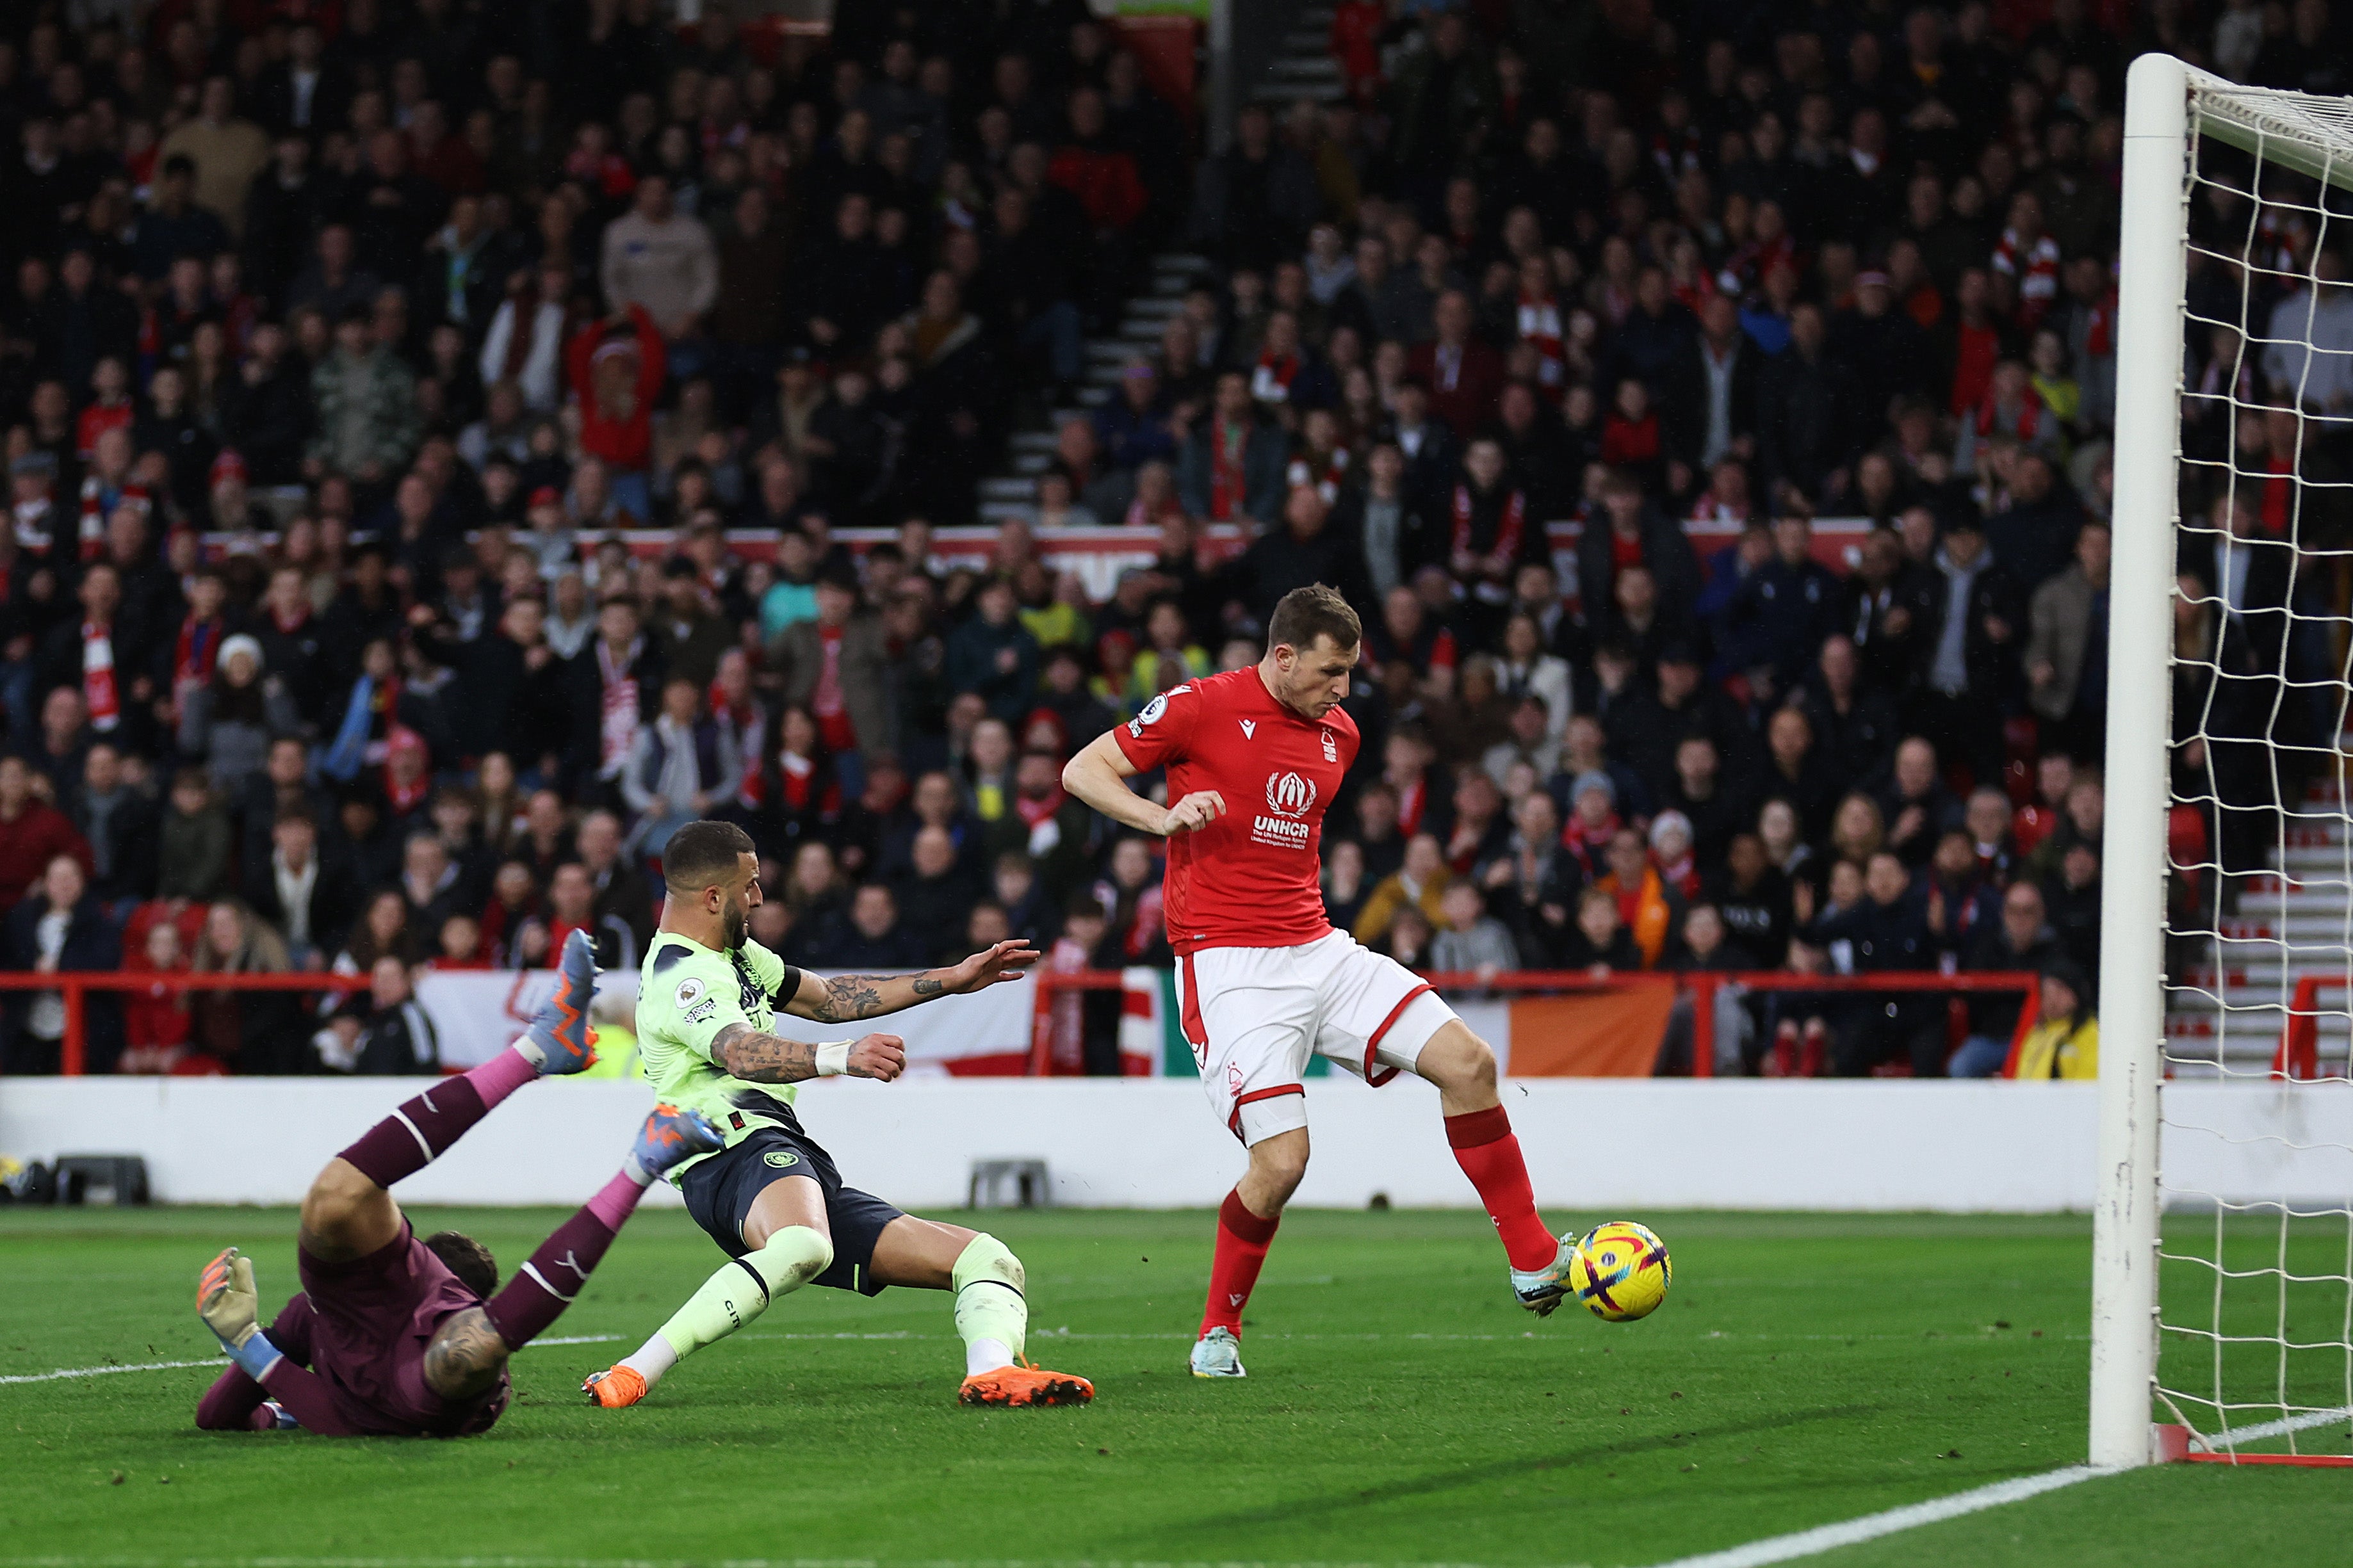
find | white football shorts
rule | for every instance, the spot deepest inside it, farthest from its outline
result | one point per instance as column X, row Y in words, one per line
column 1253, row 1015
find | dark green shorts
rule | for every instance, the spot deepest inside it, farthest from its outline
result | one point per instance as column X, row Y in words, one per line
column 720, row 1192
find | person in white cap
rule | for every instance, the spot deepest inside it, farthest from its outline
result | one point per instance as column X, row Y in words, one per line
column 229, row 721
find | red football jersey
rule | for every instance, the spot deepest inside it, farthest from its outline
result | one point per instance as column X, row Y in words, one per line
column 1250, row 879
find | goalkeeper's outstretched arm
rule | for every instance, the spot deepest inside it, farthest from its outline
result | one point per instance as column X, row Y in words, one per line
column 846, row 998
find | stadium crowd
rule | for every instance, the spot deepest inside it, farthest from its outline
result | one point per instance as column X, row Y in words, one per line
column 344, row 348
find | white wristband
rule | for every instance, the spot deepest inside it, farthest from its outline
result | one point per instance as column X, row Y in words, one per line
column 833, row 1060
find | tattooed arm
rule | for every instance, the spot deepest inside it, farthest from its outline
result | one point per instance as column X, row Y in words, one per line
column 742, row 1051
column 846, row 998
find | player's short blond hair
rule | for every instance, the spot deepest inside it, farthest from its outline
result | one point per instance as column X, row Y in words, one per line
column 1317, row 610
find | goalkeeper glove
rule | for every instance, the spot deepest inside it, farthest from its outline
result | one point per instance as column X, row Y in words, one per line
column 229, row 1302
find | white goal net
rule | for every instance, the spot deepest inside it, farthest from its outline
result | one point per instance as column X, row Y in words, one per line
column 2227, row 1091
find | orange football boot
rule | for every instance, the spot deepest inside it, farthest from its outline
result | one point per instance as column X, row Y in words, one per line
column 1025, row 1384
column 615, row 1388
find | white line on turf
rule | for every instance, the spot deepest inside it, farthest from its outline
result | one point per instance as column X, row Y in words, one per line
column 623, row 1562
column 574, row 1340
column 66, row 1372
column 2239, row 1436
column 1872, row 1526
column 108, row 1370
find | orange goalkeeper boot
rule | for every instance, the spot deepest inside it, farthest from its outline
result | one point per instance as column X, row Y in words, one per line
column 615, row 1388
column 1025, row 1384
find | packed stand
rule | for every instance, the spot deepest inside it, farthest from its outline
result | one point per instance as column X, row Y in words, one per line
column 417, row 319
column 340, row 346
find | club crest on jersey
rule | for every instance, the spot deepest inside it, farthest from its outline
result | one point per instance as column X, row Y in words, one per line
column 1291, row 797
column 1331, row 747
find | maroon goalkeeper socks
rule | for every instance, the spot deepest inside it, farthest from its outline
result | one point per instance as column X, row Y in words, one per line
column 553, row 1275
column 420, row 1132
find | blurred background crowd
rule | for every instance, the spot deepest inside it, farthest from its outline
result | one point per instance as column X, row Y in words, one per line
column 452, row 443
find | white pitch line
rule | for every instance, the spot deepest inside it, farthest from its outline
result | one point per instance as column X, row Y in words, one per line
column 108, row 1370
column 575, row 1340
column 2239, row 1436
column 1872, row 1526
column 65, row 1372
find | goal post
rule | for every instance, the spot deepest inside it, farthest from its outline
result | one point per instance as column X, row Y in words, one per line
column 2227, row 851
column 2152, row 246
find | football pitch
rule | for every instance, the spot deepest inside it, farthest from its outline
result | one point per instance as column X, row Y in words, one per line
column 1806, row 1370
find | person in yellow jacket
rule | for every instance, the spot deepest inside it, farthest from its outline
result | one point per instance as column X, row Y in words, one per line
column 2064, row 1042
column 1420, row 882
column 615, row 1014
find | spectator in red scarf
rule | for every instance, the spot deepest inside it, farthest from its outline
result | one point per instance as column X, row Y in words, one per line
column 106, row 488
column 1593, row 821
column 1489, row 533
column 1288, row 377
column 1231, row 467
column 834, row 666
column 104, row 657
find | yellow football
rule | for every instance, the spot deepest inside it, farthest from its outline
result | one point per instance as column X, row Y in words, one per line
column 1620, row 1271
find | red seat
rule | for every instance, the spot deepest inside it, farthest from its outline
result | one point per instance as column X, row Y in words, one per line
column 2186, row 848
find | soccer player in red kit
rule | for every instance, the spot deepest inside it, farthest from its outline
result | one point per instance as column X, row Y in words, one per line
column 1254, row 756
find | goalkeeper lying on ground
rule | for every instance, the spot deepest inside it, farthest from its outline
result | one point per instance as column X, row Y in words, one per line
column 394, row 1336
column 706, row 1000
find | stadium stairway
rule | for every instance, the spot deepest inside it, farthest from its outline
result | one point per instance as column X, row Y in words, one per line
column 1303, row 69
column 1302, row 66
column 1014, row 493
column 2229, row 1004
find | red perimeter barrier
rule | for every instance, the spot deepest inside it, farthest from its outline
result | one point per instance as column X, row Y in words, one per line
column 1701, row 985
column 74, row 990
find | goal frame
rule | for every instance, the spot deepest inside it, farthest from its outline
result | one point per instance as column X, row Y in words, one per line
column 2151, row 326
column 2150, row 297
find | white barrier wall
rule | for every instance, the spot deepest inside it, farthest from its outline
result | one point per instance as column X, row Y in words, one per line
column 1592, row 1144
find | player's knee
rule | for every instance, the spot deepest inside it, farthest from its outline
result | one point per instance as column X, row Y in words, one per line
column 985, row 1257
column 1278, row 1165
column 792, row 1257
column 1482, row 1067
column 1458, row 1061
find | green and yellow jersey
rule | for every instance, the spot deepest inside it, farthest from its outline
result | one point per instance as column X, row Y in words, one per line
column 687, row 993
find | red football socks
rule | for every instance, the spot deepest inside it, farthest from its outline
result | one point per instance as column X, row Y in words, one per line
column 1242, row 1239
column 1490, row 1156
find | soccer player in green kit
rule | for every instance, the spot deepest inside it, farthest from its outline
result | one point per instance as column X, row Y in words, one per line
column 707, row 1000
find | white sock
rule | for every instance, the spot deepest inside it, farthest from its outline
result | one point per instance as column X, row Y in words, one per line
column 979, row 1356
column 651, row 1360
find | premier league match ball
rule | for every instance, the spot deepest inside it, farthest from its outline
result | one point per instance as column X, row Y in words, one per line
column 1620, row 1271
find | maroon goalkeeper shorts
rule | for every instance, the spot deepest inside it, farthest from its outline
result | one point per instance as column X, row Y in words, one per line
column 374, row 1315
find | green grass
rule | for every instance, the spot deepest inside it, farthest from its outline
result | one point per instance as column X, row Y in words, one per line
column 1805, row 1370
